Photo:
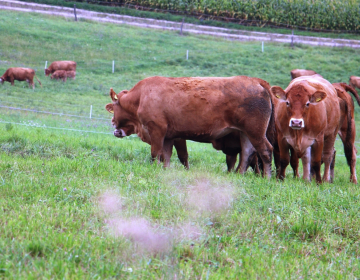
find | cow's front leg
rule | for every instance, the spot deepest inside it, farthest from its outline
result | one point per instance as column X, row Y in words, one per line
column 306, row 161
column 294, row 162
column 157, row 136
column 327, row 155
column 284, row 157
column 316, row 154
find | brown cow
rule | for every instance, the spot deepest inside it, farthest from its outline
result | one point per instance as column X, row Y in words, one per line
column 59, row 74
column 19, row 74
column 347, row 132
column 301, row 72
column 354, row 82
column 229, row 145
column 200, row 109
column 60, row 65
column 307, row 119
column 62, row 74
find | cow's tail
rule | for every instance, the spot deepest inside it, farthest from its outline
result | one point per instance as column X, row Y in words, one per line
column 38, row 80
column 352, row 90
column 271, row 130
column 348, row 145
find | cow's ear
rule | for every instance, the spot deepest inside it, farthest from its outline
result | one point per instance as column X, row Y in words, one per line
column 113, row 95
column 318, row 96
column 278, row 92
column 110, row 108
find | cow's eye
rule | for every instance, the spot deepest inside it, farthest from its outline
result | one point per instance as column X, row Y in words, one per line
column 287, row 103
column 307, row 104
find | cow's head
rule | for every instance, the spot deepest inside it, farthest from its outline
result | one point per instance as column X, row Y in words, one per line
column 299, row 100
column 122, row 121
column 47, row 72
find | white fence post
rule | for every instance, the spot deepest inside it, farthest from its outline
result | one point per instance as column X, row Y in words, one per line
column 262, row 46
column 45, row 64
column 90, row 111
column 113, row 68
column 187, row 54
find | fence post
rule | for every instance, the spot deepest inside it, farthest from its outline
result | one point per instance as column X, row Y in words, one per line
column 75, row 12
column 45, row 64
column 262, row 46
column 181, row 27
column 113, row 66
column 187, row 54
column 292, row 38
column 90, row 111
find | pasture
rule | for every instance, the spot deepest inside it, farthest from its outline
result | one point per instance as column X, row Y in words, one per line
column 78, row 203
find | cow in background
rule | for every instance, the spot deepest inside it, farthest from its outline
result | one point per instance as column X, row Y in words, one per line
column 354, row 82
column 19, row 74
column 60, row 65
column 347, row 130
column 301, row 72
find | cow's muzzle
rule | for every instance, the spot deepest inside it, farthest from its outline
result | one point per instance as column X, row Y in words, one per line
column 296, row 123
column 119, row 133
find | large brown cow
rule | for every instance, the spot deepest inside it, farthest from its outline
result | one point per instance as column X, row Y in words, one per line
column 200, row 109
column 229, row 145
column 301, row 72
column 307, row 119
column 19, row 74
column 60, row 65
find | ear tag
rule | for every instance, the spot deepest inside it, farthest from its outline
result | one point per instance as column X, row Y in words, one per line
column 278, row 96
column 115, row 97
column 112, row 112
column 318, row 99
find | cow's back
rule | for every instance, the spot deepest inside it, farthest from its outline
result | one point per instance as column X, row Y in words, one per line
column 62, row 65
column 301, row 72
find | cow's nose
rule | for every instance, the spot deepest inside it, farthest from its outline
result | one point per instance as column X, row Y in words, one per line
column 296, row 123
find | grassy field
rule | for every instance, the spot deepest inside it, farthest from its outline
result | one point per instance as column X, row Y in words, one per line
column 78, row 203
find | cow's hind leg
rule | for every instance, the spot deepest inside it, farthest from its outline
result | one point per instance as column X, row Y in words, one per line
column 247, row 150
column 347, row 135
column 264, row 149
column 167, row 152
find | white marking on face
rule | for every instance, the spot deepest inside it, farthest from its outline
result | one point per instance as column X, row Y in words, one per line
column 296, row 123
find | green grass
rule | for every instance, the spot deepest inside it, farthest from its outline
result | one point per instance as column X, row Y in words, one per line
column 263, row 230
